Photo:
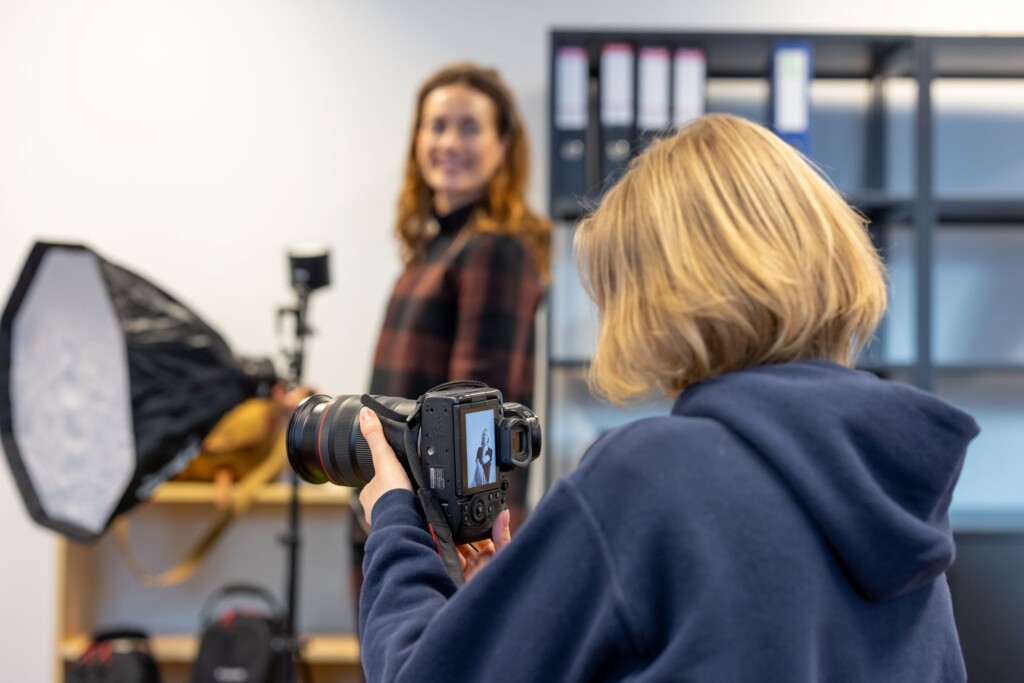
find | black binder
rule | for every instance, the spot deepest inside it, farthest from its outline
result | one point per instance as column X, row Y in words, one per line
column 618, row 111
column 689, row 85
column 653, row 112
column 569, row 143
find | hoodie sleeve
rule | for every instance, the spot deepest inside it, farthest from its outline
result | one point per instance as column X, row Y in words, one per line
column 547, row 607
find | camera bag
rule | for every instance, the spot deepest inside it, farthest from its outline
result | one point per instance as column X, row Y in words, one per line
column 242, row 637
column 116, row 656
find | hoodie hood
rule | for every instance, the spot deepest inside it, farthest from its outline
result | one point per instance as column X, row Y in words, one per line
column 872, row 462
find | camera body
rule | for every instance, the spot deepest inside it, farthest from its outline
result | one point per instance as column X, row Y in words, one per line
column 457, row 440
column 468, row 440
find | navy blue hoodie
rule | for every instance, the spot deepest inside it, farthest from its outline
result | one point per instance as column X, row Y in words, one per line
column 785, row 523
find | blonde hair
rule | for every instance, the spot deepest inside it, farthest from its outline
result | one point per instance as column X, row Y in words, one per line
column 721, row 249
column 505, row 209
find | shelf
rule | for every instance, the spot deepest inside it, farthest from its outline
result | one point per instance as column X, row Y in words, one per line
column 880, row 367
column 987, row 521
column 748, row 55
column 275, row 493
column 570, row 363
column 981, row 57
column 869, row 366
column 987, row 211
column 874, row 205
column 966, row 369
column 182, row 649
column 945, row 369
column 877, row 205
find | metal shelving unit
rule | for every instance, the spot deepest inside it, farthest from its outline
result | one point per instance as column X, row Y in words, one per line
column 898, row 184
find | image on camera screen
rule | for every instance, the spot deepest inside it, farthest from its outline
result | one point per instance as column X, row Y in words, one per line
column 481, row 467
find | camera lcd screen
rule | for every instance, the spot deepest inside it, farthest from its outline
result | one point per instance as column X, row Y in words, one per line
column 480, row 468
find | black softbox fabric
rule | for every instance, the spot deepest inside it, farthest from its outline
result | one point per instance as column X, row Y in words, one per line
column 181, row 378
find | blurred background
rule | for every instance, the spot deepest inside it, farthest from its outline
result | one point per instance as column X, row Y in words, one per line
column 194, row 142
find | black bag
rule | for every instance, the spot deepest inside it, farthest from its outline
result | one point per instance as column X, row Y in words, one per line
column 241, row 642
column 116, row 656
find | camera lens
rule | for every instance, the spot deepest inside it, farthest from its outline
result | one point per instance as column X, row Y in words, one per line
column 325, row 443
column 302, row 441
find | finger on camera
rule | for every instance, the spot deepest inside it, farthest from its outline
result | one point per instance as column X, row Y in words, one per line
column 388, row 473
column 373, row 432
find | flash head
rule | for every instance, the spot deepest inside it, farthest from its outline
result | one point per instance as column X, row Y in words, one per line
column 309, row 266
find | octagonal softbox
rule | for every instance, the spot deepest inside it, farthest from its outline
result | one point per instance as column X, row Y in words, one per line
column 107, row 386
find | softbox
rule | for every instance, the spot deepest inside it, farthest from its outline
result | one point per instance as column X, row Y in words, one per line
column 107, row 386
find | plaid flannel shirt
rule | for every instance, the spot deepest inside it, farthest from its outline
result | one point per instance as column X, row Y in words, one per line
column 464, row 310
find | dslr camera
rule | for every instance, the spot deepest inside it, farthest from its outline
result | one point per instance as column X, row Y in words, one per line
column 457, row 440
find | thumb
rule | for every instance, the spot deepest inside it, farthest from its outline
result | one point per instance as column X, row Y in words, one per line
column 501, row 534
column 373, row 432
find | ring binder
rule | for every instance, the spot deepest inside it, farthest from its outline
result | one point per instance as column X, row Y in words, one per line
column 689, row 83
column 792, row 69
column 571, row 114
column 617, row 110
column 652, row 113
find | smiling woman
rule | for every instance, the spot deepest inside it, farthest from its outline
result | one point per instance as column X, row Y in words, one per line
column 458, row 146
column 476, row 255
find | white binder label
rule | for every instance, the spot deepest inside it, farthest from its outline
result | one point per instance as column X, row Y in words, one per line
column 571, row 74
column 617, row 85
column 792, row 95
column 691, row 73
column 653, row 112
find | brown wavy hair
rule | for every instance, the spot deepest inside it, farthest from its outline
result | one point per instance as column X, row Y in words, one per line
column 505, row 210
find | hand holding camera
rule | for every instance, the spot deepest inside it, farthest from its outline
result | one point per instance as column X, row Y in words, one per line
column 438, row 446
column 388, row 473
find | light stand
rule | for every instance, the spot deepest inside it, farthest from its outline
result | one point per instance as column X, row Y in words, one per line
column 291, row 538
column 309, row 272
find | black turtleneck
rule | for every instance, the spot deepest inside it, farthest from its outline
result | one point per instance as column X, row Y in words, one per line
column 454, row 221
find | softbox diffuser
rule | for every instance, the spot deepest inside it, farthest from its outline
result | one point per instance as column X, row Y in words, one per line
column 107, row 386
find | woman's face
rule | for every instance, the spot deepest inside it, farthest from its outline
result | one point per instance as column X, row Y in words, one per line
column 458, row 148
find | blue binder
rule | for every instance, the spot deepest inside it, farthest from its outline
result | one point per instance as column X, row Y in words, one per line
column 792, row 72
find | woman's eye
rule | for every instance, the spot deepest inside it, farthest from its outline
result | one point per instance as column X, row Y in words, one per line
column 470, row 128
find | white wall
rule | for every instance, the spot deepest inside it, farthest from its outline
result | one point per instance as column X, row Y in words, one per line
column 193, row 141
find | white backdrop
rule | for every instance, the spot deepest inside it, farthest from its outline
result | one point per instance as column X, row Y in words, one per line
column 193, row 141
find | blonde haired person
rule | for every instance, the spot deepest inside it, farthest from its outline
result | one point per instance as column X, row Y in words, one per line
column 787, row 521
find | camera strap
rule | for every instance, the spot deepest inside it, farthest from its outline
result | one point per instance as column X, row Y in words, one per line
column 437, row 522
column 442, row 535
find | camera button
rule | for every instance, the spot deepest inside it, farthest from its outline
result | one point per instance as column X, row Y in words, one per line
column 479, row 510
